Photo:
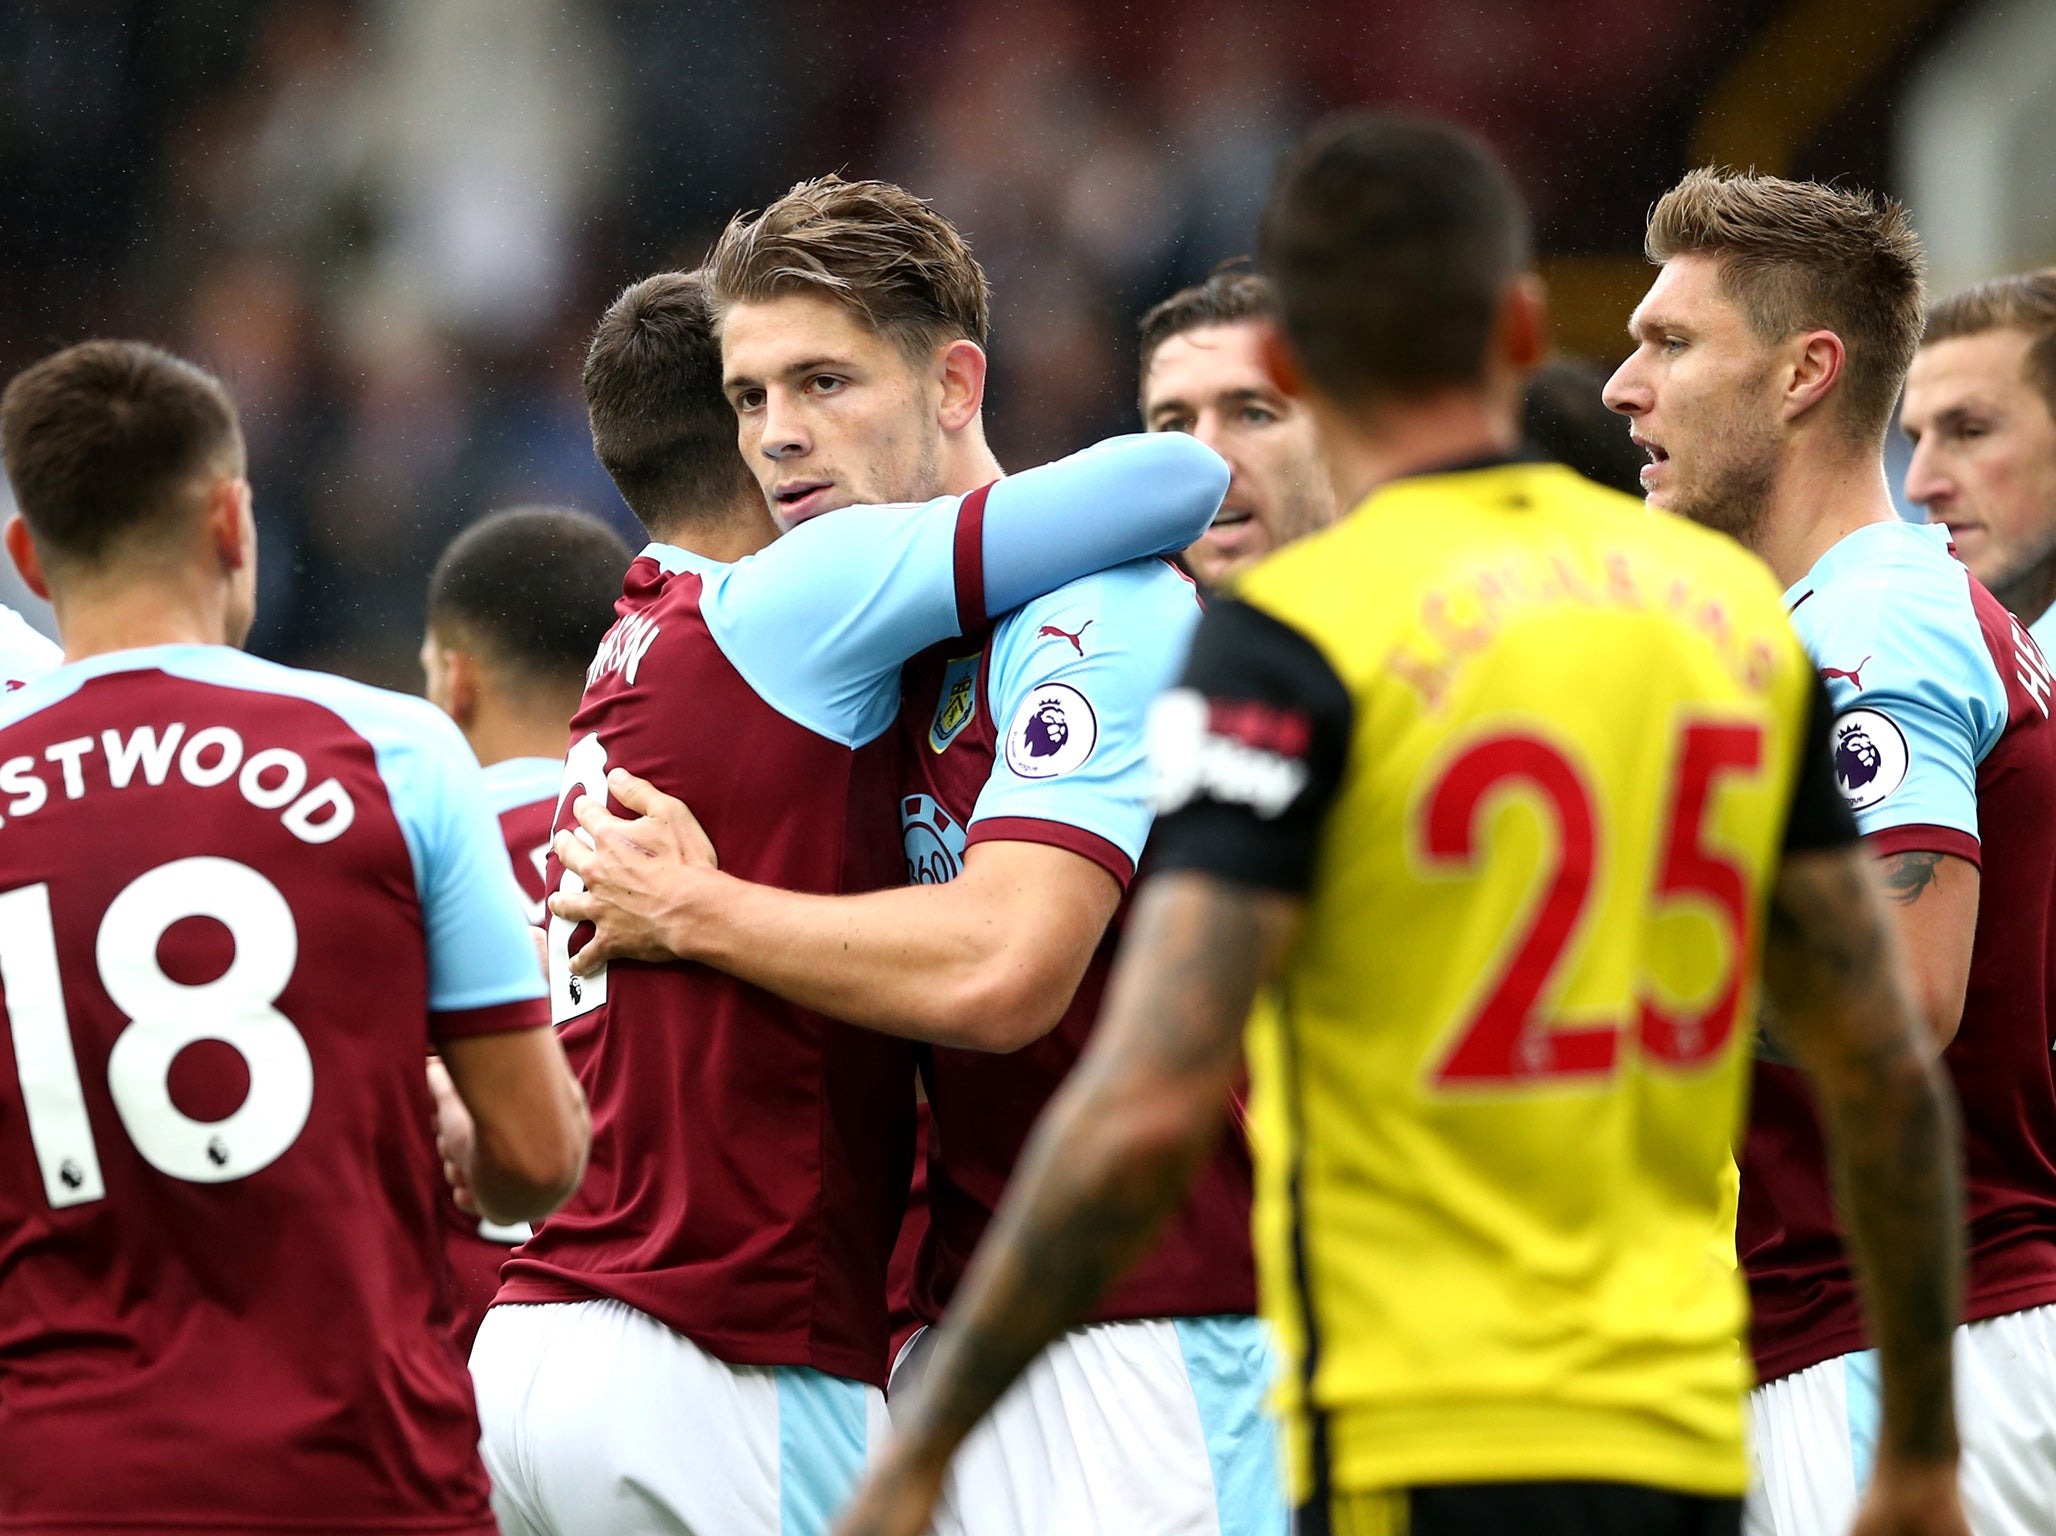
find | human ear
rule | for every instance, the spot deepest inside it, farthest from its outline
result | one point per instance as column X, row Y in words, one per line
column 21, row 549
column 1816, row 367
column 961, row 366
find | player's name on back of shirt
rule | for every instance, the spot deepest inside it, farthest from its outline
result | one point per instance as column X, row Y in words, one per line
column 205, row 756
column 1462, row 615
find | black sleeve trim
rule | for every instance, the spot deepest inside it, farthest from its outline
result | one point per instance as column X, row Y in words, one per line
column 1820, row 816
column 1249, row 751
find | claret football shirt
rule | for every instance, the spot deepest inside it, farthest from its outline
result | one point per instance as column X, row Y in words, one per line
column 1943, row 743
column 1033, row 730
column 751, row 1158
column 239, row 904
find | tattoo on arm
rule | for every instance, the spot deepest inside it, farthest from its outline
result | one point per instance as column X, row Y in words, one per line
column 1117, row 1148
column 1908, row 875
column 1845, row 1015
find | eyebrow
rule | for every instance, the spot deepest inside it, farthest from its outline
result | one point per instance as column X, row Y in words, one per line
column 1241, row 396
column 805, row 365
column 1642, row 323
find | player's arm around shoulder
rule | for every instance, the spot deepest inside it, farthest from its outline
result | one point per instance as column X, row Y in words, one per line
column 511, row 1118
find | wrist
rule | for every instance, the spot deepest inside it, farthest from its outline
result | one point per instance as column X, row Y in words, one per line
column 692, row 927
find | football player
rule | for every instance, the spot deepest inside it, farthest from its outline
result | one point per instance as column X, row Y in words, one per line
column 1769, row 352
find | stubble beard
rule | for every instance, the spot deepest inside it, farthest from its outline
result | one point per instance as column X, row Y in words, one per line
column 1732, row 495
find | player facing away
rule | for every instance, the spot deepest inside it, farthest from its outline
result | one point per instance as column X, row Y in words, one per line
column 699, row 1339
column 239, row 904
column 1202, row 372
column 1478, row 798
column 1980, row 409
column 1769, row 353
column 1023, row 806
column 516, row 606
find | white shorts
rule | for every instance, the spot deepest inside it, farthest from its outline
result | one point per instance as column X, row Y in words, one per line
column 1122, row 1429
column 598, row 1419
column 1814, row 1435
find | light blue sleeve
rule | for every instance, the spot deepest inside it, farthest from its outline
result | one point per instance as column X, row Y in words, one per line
column 1918, row 701
column 480, row 949
column 1072, row 678
column 819, row 622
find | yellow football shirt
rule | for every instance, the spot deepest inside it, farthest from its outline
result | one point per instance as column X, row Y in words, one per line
column 1528, row 752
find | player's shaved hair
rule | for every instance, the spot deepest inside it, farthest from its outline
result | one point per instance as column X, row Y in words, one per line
column 661, row 426
column 1391, row 241
column 530, row 590
column 106, row 441
column 1231, row 295
column 2024, row 302
column 1800, row 256
column 870, row 246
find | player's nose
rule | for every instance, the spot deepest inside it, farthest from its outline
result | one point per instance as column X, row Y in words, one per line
column 785, row 433
column 1926, row 484
column 1627, row 391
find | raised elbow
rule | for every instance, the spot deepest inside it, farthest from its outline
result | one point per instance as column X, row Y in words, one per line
column 1192, row 479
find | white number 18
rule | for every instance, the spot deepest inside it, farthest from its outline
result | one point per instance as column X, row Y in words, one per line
column 237, row 1008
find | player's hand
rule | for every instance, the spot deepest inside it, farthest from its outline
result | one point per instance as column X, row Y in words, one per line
column 453, row 1135
column 897, row 1499
column 1911, row 1501
column 635, row 872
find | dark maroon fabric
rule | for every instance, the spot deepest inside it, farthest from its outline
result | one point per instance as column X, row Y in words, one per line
column 1803, row 1298
column 474, row 1260
column 750, row 1158
column 271, row 1351
column 906, row 1251
column 984, row 1105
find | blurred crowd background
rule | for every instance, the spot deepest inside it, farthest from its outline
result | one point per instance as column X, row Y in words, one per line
column 390, row 224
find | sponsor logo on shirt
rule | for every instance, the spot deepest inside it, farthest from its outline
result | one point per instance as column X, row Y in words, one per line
column 933, row 840
column 1853, row 675
column 1871, row 758
column 2032, row 668
column 1077, row 640
column 1233, row 751
column 1054, row 732
column 958, row 706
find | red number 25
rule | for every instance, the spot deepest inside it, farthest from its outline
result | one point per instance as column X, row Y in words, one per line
column 1508, row 1039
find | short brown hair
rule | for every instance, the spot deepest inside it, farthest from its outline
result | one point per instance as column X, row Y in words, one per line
column 660, row 423
column 2024, row 301
column 102, row 438
column 1231, row 295
column 870, row 246
column 530, row 588
column 1799, row 256
column 1391, row 240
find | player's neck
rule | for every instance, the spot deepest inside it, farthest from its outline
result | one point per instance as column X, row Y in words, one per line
column 2031, row 594
column 502, row 729
column 118, row 613
column 967, row 462
column 1822, row 495
column 1367, row 448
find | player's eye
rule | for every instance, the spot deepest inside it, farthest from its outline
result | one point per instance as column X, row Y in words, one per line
column 1673, row 345
column 749, row 399
column 1258, row 415
column 825, row 383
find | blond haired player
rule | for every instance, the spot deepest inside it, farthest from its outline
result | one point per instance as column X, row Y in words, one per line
column 1769, row 352
column 1490, row 797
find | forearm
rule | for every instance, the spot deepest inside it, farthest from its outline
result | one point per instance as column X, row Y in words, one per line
column 1899, row 1187
column 907, row 962
column 1846, row 1015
